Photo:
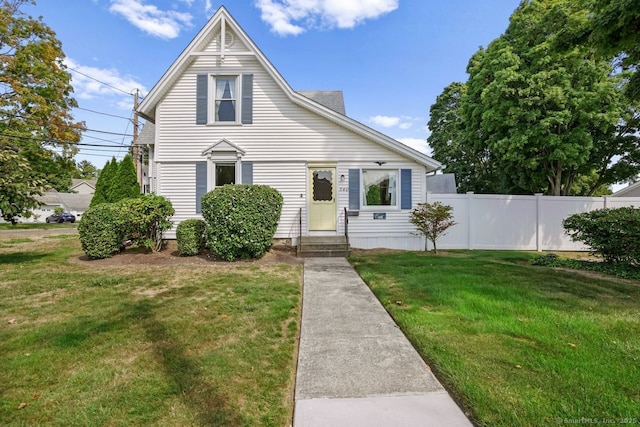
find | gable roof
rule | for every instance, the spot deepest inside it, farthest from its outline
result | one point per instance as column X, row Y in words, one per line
column 147, row 134
column 628, row 189
column 332, row 99
column 77, row 182
column 222, row 18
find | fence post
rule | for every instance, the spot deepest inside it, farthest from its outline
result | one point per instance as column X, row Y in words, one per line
column 606, row 199
column 469, row 212
column 538, row 221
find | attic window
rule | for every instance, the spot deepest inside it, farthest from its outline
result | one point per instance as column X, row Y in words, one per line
column 228, row 39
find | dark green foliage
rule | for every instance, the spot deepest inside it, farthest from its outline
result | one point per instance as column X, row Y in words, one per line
column 546, row 259
column 613, row 234
column 103, row 185
column 538, row 114
column 146, row 218
column 190, row 236
column 101, row 231
column 124, row 184
column 105, row 227
column 241, row 220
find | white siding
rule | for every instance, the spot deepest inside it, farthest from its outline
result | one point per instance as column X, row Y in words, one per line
column 283, row 139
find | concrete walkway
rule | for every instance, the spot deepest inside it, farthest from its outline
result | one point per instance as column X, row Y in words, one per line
column 355, row 367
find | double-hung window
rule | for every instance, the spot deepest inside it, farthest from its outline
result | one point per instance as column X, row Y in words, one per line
column 379, row 187
column 225, row 98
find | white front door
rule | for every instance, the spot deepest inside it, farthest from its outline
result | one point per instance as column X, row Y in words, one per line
column 322, row 200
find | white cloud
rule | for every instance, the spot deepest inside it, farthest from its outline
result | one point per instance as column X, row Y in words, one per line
column 385, row 121
column 89, row 88
column 418, row 144
column 292, row 17
column 165, row 24
column 207, row 6
column 403, row 122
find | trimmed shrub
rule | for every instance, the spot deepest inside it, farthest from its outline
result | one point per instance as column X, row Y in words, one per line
column 190, row 236
column 101, row 231
column 146, row 217
column 105, row 227
column 613, row 234
column 241, row 220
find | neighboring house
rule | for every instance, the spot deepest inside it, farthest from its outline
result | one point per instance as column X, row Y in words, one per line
column 632, row 190
column 68, row 202
column 145, row 140
column 83, row 186
column 222, row 114
column 444, row 183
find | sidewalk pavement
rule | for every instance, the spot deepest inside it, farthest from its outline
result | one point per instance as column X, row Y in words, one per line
column 355, row 366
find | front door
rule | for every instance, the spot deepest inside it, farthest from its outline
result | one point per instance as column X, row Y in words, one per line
column 322, row 203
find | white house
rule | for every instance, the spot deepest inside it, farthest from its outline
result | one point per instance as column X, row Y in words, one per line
column 83, row 186
column 222, row 114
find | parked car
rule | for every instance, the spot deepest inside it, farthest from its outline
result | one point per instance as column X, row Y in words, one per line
column 61, row 217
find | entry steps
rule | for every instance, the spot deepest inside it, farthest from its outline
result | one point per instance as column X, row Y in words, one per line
column 323, row 246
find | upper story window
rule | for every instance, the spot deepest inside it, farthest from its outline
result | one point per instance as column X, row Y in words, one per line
column 380, row 187
column 225, row 98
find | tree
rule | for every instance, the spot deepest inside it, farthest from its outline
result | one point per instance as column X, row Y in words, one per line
column 37, row 131
column 432, row 220
column 103, row 185
column 85, row 170
column 125, row 181
column 538, row 115
column 615, row 31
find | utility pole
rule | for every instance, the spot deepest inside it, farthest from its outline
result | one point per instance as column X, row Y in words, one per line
column 136, row 151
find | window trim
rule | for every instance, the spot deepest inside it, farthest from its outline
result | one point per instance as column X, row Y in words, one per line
column 211, row 171
column 398, row 195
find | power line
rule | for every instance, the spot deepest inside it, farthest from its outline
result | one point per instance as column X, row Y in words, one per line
column 104, row 114
column 55, row 141
column 99, row 81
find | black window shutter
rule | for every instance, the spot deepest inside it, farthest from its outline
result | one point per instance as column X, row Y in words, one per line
column 201, row 98
column 247, row 99
column 354, row 189
column 201, row 184
column 247, row 172
column 405, row 189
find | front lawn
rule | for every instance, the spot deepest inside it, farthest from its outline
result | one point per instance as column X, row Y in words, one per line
column 94, row 343
column 517, row 344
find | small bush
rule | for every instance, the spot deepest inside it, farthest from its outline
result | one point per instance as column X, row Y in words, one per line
column 432, row 220
column 146, row 218
column 613, row 234
column 241, row 220
column 101, row 231
column 546, row 260
column 190, row 236
column 105, row 227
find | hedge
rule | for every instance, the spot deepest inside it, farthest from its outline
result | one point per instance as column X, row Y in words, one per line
column 106, row 227
column 190, row 235
column 241, row 220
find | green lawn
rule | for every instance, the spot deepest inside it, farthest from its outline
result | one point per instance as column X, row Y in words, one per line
column 35, row 226
column 517, row 345
column 86, row 343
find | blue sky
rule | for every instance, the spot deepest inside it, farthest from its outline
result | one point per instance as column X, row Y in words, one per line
column 391, row 58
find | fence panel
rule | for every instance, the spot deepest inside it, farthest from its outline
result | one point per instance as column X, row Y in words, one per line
column 490, row 221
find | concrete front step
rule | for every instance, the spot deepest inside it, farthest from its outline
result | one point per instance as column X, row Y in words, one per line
column 323, row 246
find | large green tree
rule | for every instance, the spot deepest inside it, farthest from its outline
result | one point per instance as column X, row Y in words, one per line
column 85, row 170
column 540, row 116
column 37, row 130
column 614, row 28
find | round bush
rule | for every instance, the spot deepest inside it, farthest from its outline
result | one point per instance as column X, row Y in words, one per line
column 241, row 220
column 101, row 231
column 612, row 233
column 190, row 236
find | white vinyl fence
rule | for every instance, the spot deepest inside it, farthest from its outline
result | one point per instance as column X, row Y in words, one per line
column 489, row 221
